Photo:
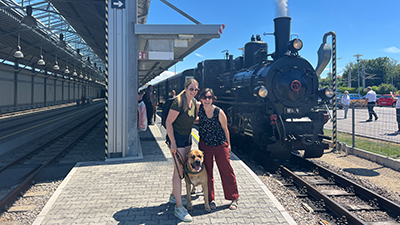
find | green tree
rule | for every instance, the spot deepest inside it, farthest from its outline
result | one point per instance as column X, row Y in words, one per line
column 376, row 72
column 325, row 82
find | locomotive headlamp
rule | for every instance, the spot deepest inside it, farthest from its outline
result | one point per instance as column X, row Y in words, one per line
column 329, row 92
column 260, row 91
column 295, row 45
column 325, row 93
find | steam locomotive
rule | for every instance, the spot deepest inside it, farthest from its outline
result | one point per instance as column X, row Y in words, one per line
column 270, row 99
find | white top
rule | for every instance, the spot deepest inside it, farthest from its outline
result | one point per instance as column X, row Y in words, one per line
column 398, row 103
column 346, row 100
column 371, row 96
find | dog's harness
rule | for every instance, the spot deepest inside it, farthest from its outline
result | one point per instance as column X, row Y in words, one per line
column 185, row 169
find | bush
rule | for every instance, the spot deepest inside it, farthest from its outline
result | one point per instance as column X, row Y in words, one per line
column 384, row 89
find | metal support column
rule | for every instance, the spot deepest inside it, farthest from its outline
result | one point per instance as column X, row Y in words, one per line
column 16, row 69
column 62, row 92
column 121, row 132
column 45, row 91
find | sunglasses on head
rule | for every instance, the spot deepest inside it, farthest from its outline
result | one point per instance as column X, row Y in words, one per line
column 193, row 89
column 207, row 97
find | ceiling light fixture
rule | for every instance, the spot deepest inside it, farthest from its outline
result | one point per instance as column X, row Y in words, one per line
column 18, row 54
column 56, row 67
column 66, row 68
column 41, row 61
column 61, row 42
column 29, row 20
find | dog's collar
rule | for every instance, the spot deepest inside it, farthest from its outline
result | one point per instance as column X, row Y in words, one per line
column 186, row 170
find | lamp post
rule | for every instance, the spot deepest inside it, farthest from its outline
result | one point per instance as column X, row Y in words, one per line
column 392, row 81
column 358, row 71
column 391, row 67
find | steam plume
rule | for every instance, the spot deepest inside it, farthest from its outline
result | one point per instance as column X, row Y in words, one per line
column 281, row 8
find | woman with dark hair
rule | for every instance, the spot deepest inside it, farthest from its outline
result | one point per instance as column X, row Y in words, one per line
column 215, row 142
column 179, row 124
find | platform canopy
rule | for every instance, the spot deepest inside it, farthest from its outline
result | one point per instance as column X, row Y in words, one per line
column 162, row 46
column 37, row 26
column 84, row 27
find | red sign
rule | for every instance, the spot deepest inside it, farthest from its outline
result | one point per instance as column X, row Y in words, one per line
column 142, row 55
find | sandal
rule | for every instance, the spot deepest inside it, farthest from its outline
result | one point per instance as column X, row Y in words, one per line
column 213, row 205
column 233, row 205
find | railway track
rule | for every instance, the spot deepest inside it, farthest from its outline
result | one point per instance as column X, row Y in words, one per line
column 26, row 166
column 339, row 200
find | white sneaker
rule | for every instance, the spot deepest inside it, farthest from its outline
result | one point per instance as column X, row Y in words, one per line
column 183, row 214
column 172, row 200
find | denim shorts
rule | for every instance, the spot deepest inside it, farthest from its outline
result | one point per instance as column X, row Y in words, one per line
column 181, row 140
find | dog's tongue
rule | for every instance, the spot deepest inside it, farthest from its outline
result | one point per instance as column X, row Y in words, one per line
column 197, row 168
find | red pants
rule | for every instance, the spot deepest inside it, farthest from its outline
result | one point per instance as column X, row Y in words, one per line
column 222, row 158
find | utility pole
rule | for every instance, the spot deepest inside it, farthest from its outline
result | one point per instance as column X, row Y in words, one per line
column 358, row 65
column 363, row 74
column 391, row 68
column 349, row 79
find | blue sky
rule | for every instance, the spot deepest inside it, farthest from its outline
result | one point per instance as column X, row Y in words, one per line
column 369, row 28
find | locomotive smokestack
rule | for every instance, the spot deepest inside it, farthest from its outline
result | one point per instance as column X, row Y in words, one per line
column 282, row 36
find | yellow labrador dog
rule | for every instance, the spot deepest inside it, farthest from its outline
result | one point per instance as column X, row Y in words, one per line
column 196, row 175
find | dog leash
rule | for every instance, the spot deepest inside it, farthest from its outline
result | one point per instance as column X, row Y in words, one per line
column 178, row 156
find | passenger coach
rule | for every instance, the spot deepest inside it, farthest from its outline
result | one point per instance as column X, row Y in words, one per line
column 175, row 82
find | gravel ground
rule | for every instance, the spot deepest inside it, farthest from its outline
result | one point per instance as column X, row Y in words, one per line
column 91, row 148
column 385, row 182
column 371, row 175
column 337, row 162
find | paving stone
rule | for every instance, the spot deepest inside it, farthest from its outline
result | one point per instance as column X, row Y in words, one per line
column 137, row 192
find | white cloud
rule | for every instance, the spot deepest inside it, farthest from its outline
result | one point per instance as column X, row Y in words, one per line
column 197, row 54
column 162, row 76
column 392, row 50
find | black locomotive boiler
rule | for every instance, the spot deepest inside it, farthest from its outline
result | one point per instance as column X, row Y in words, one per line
column 270, row 98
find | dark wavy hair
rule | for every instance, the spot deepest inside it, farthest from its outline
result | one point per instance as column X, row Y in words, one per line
column 205, row 91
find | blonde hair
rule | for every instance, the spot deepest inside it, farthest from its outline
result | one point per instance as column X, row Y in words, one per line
column 182, row 100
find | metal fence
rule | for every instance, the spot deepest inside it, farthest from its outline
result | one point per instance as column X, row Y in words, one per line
column 376, row 135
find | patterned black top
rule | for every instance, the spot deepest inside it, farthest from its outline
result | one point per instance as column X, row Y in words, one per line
column 210, row 129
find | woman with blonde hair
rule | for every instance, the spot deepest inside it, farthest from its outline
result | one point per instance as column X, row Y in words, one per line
column 179, row 124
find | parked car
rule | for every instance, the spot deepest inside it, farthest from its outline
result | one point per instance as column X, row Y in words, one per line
column 386, row 100
column 355, row 97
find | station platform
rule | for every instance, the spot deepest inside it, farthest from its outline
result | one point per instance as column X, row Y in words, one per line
column 137, row 190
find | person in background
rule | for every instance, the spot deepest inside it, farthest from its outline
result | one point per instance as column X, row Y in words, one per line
column 179, row 123
column 397, row 99
column 215, row 142
column 370, row 100
column 155, row 104
column 346, row 103
column 140, row 96
column 148, row 101
column 172, row 94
